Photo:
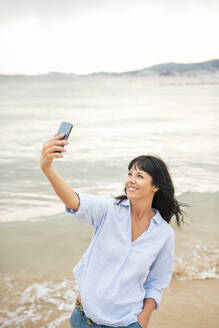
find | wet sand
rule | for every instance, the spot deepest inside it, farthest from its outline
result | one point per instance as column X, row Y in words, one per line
column 191, row 304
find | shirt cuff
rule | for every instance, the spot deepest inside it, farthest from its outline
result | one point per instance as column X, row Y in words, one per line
column 152, row 293
column 81, row 215
column 82, row 205
column 82, row 199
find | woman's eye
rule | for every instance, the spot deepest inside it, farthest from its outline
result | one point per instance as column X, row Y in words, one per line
column 129, row 174
column 140, row 176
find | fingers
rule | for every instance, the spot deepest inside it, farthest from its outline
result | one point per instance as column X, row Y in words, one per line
column 61, row 142
column 54, row 148
column 51, row 146
column 54, row 155
column 54, row 142
column 59, row 136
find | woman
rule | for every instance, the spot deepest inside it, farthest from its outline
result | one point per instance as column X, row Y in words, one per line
column 129, row 261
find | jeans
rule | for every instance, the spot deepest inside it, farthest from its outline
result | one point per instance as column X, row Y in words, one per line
column 79, row 320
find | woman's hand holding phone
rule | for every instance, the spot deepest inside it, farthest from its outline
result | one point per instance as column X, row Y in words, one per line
column 54, row 148
column 49, row 150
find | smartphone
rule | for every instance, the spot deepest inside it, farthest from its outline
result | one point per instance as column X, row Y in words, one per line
column 65, row 127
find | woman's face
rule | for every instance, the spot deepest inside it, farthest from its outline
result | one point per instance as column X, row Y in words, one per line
column 139, row 184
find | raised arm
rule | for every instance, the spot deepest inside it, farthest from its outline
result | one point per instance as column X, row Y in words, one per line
column 61, row 187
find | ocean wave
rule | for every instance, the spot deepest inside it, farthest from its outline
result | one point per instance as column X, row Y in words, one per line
column 41, row 304
column 202, row 263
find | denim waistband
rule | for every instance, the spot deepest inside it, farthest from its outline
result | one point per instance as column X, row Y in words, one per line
column 79, row 305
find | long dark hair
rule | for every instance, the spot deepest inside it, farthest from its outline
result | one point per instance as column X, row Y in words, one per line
column 164, row 199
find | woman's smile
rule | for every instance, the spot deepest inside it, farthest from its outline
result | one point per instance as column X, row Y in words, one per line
column 131, row 189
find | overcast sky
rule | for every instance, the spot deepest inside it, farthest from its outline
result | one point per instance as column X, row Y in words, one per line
column 87, row 36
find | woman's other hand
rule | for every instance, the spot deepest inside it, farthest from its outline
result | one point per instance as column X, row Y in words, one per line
column 143, row 322
column 49, row 151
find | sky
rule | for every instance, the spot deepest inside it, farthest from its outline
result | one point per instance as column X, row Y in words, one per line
column 86, row 36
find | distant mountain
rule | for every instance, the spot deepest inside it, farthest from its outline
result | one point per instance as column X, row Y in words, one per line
column 211, row 66
column 168, row 69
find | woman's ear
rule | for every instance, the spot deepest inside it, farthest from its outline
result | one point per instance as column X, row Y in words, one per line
column 155, row 189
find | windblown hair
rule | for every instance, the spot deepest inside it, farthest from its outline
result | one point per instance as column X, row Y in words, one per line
column 164, row 199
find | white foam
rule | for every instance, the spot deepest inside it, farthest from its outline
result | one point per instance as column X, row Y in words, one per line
column 200, row 264
column 58, row 297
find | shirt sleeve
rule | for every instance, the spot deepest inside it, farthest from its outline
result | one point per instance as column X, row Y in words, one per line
column 92, row 209
column 160, row 272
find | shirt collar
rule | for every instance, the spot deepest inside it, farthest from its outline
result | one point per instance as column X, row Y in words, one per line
column 157, row 217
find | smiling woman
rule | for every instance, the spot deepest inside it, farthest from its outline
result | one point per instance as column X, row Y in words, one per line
column 129, row 262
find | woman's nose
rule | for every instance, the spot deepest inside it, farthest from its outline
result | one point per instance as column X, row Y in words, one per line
column 132, row 179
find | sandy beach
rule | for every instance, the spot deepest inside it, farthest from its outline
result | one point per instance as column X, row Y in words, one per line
column 189, row 304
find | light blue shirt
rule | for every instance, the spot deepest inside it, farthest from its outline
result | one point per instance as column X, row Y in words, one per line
column 115, row 274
